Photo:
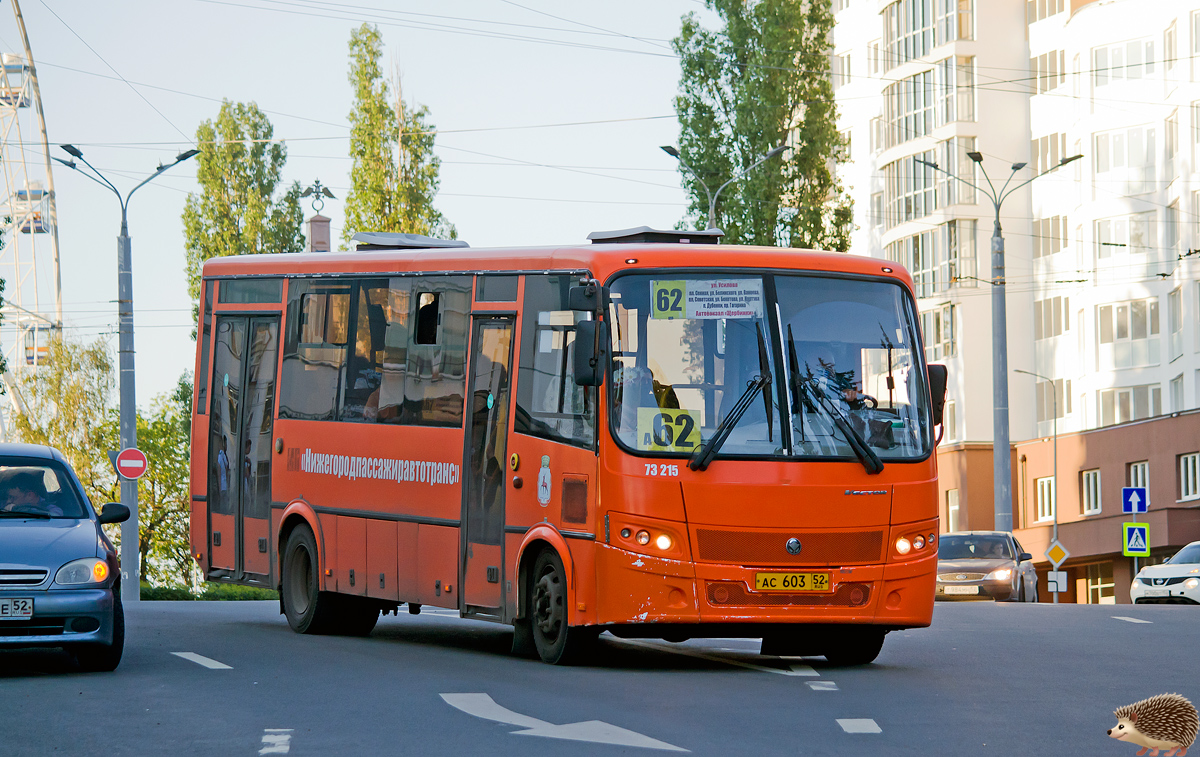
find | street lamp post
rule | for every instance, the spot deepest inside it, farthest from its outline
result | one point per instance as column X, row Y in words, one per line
column 712, row 196
column 1054, row 394
column 130, row 569
column 1001, row 464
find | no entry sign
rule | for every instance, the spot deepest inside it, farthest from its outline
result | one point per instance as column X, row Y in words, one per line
column 131, row 463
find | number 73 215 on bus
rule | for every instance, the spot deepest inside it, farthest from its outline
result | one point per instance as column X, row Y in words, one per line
column 665, row 439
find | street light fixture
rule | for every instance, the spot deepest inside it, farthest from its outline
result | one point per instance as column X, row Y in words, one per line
column 712, row 196
column 1001, row 464
column 130, row 570
column 1054, row 394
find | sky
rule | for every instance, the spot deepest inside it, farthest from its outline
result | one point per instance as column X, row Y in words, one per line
column 549, row 115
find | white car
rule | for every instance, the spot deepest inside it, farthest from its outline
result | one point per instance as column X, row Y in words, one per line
column 1176, row 582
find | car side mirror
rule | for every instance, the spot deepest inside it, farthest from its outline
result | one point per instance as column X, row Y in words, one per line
column 937, row 391
column 591, row 346
column 1024, row 556
column 114, row 513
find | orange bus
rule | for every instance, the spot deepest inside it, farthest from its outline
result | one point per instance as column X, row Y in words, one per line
column 650, row 434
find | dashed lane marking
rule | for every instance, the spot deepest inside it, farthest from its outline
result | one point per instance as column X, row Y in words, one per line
column 804, row 670
column 859, row 725
column 276, row 741
column 822, row 685
column 200, row 659
column 1131, row 620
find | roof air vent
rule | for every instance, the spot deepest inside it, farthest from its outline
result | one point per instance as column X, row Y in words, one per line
column 391, row 240
column 646, row 234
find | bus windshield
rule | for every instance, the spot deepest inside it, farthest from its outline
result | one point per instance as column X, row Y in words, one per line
column 687, row 346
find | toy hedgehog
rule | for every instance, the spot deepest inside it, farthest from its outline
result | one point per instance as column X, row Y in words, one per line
column 1167, row 721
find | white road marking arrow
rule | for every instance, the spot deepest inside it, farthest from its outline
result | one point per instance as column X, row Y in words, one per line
column 596, row 731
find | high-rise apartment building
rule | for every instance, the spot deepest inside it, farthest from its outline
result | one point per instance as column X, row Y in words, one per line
column 1101, row 254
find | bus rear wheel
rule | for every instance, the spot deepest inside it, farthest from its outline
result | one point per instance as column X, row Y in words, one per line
column 308, row 609
column 557, row 642
column 855, row 646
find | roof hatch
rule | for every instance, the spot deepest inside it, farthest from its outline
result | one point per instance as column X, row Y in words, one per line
column 394, row 240
column 647, row 234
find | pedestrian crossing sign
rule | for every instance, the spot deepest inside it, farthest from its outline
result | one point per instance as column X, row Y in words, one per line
column 1136, row 541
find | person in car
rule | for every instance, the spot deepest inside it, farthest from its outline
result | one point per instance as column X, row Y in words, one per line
column 25, row 492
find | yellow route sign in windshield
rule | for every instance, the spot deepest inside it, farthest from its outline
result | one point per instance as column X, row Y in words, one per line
column 706, row 298
column 667, row 430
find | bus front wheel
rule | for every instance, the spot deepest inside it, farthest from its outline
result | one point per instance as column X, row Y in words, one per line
column 856, row 646
column 308, row 609
column 557, row 642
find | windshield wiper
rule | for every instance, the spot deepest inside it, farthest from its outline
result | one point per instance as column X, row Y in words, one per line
column 22, row 514
column 862, row 450
column 703, row 456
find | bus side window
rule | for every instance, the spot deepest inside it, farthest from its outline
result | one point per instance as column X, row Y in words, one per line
column 364, row 371
column 429, row 317
column 435, row 361
column 314, row 351
column 549, row 402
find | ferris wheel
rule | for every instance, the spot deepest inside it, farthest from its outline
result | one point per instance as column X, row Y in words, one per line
column 29, row 258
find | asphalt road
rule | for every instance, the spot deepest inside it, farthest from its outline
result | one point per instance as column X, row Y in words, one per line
column 984, row 679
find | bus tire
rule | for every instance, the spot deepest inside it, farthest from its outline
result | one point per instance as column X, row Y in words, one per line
column 557, row 642
column 856, row 646
column 308, row 609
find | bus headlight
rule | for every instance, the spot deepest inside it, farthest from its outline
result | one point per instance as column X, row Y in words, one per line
column 663, row 542
column 903, row 546
column 86, row 571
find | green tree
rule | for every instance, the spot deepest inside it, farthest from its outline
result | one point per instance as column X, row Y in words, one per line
column 164, row 493
column 760, row 81
column 394, row 176
column 67, row 404
column 239, row 170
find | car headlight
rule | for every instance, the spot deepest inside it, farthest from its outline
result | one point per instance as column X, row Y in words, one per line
column 999, row 574
column 1191, row 583
column 89, row 570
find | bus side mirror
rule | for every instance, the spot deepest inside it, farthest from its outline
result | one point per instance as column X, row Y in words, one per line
column 937, row 391
column 591, row 346
column 590, row 297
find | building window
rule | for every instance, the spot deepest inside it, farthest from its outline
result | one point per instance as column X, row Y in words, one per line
column 952, row 510
column 1130, row 403
column 1171, row 233
column 1051, row 317
column 913, row 190
column 1124, row 61
column 1047, row 151
column 1090, row 490
column 908, row 108
column 1101, row 589
column 912, row 28
column 1049, row 71
column 874, row 58
column 877, row 209
column 1175, row 320
column 1170, row 52
column 938, row 259
column 1196, row 122
column 1036, row 10
column 938, row 328
column 1053, row 396
column 950, row 421
column 1128, row 334
column 1171, row 130
column 1045, row 498
column 1189, row 476
column 840, row 5
column 1138, row 474
column 1126, row 159
column 1177, row 393
column 841, row 70
column 1049, row 235
column 1131, row 234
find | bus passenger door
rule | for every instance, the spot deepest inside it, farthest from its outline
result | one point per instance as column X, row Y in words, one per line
column 484, row 469
column 240, row 437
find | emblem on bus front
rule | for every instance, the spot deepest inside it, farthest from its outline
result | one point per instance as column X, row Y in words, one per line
column 793, row 546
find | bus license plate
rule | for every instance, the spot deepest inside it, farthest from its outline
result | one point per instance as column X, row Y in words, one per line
column 16, row 609
column 793, row 582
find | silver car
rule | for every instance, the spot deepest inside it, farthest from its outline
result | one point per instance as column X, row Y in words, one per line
column 985, row 565
column 59, row 578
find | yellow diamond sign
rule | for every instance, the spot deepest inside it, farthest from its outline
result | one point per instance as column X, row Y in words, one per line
column 1057, row 554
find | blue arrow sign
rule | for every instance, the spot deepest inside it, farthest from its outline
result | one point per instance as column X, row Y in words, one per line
column 1134, row 499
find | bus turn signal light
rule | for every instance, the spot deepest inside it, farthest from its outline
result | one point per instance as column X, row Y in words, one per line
column 642, row 537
